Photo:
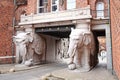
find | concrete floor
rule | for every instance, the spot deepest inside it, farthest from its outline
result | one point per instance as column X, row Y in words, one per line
column 98, row 73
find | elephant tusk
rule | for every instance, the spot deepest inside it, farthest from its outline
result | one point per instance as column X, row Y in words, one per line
column 73, row 54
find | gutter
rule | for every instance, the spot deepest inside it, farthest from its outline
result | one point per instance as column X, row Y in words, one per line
column 109, row 12
column 13, row 24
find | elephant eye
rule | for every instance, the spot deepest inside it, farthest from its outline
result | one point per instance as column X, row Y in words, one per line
column 23, row 40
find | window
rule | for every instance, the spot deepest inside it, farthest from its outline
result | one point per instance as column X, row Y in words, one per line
column 42, row 6
column 71, row 4
column 100, row 9
column 55, row 5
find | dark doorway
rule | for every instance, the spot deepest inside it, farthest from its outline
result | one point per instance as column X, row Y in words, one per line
column 102, row 54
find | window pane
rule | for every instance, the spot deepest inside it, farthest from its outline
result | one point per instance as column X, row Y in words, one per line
column 100, row 9
column 71, row 4
column 54, row 8
column 45, row 0
column 41, row 10
column 100, row 6
column 41, row 2
column 54, row 1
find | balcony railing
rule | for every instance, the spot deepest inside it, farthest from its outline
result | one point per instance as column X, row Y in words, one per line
column 100, row 14
column 74, row 14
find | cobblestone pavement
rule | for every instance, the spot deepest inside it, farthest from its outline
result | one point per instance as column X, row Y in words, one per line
column 60, row 70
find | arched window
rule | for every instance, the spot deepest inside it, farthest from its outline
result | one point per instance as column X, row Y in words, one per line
column 100, row 9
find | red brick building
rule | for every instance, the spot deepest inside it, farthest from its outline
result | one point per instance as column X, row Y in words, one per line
column 45, row 14
column 6, row 25
column 115, row 31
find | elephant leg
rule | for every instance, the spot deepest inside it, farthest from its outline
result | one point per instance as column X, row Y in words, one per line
column 77, row 60
column 87, row 58
column 23, row 52
column 17, row 54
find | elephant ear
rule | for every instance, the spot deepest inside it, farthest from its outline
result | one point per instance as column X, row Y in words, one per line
column 87, row 39
column 30, row 38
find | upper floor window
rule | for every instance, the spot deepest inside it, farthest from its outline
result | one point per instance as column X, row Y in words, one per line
column 42, row 6
column 71, row 4
column 55, row 5
column 100, row 9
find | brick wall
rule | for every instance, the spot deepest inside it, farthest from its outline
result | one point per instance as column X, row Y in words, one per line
column 81, row 3
column 6, row 14
column 20, row 10
column 115, row 28
column 93, row 4
column 31, row 7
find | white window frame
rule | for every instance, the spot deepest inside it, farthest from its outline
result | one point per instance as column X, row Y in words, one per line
column 42, row 7
column 100, row 10
column 57, row 4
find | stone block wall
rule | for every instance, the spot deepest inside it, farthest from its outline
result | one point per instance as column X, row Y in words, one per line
column 115, row 30
column 6, row 16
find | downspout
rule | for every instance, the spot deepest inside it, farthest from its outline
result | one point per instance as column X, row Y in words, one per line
column 13, row 24
column 109, row 12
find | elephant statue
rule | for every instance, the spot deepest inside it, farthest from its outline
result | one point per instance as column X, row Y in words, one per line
column 83, row 50
column 21, row 41
column 29, row 47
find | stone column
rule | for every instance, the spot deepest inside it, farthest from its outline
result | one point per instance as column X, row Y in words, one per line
column 108, row 47
column 83, row 26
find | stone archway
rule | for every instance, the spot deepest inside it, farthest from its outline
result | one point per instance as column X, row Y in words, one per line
column 57, row 41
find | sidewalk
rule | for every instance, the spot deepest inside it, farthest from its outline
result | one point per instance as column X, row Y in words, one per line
column 98, row 73
column 36, row 72
column 6, row 68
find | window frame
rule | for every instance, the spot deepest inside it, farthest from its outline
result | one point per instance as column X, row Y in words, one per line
column 100, row 11
column 54, row 5
column 41, row 7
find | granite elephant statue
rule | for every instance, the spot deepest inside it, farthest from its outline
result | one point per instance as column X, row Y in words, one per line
column 29, row 47
column 83, row 50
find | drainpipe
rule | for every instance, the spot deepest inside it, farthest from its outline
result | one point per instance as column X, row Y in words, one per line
column 13, row 24
column 109, row 12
